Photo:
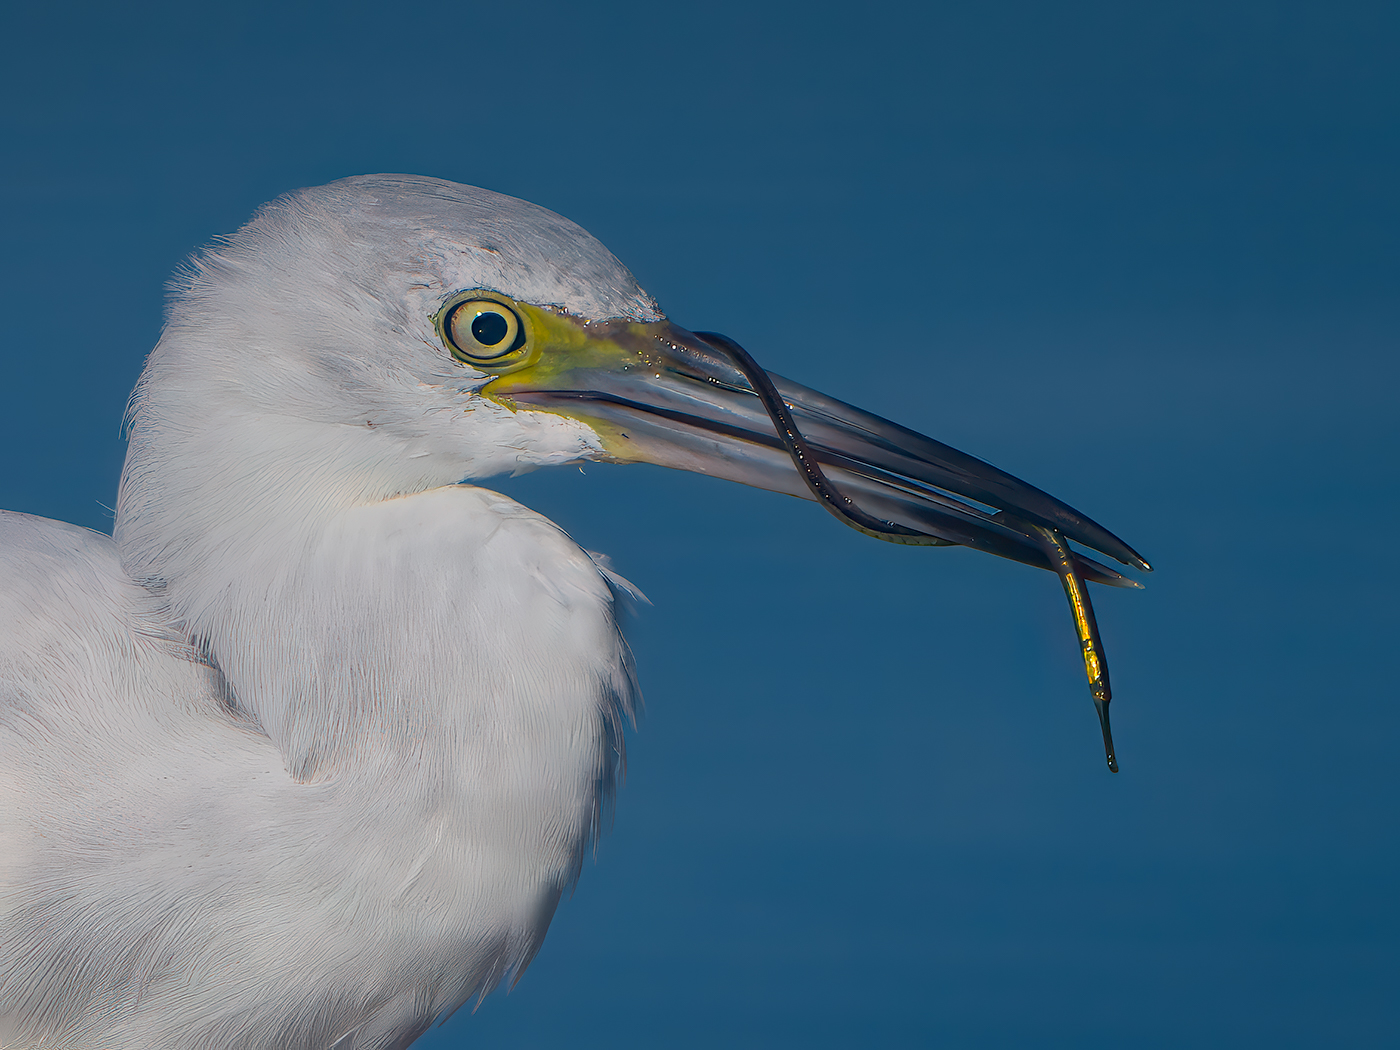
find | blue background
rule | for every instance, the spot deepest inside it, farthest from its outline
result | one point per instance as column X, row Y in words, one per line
column 1144, row 257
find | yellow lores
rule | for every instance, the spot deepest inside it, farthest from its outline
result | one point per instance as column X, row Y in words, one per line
column 535, row 349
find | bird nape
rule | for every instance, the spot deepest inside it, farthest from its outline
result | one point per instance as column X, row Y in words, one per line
column 304, row 755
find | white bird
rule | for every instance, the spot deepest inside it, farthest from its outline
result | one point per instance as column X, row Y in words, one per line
column 304, row 755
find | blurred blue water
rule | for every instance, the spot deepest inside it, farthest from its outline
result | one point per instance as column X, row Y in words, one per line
column 1145, row 260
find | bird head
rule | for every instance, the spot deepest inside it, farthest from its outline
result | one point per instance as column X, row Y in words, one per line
column 382, row 335
column 387, row 334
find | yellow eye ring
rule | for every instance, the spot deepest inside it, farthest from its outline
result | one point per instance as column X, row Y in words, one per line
column 483, row 331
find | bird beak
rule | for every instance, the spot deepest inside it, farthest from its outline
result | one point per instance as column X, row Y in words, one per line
column 656, row 393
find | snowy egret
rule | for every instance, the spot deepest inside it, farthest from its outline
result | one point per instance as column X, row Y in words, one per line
column 305, row 754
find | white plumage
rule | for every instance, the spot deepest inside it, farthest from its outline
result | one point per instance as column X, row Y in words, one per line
column 369, row 815
column 305, row 755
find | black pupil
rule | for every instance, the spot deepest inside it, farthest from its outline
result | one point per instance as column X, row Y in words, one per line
column 489, row 329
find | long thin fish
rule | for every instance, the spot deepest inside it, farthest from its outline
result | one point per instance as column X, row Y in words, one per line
column 843, row 507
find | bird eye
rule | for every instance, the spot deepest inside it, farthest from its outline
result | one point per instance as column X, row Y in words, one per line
column 481, row 331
